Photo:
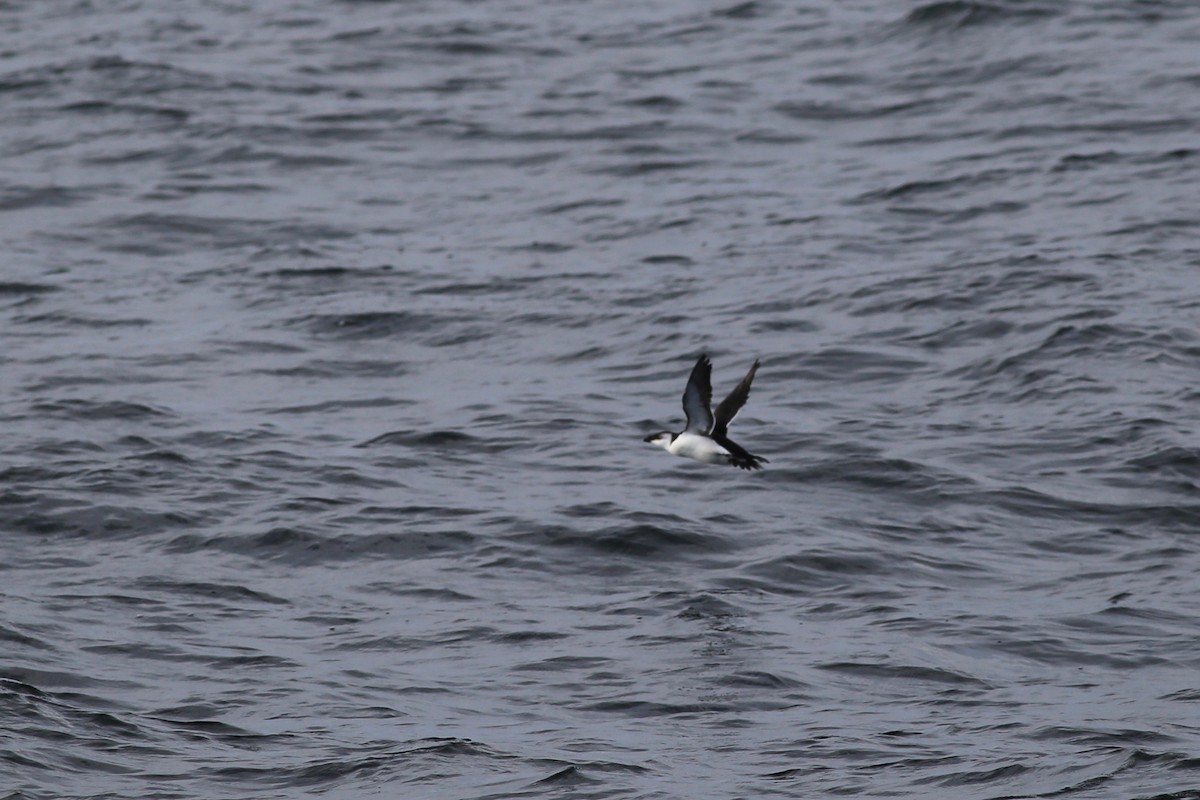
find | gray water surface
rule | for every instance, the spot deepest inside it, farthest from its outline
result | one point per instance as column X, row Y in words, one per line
column 331, row 331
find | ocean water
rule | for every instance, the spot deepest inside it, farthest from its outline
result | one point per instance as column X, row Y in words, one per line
column 331, row 331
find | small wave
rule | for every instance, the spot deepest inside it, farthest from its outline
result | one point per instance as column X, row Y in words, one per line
column 902, row 672
column 15, row 638
column 568, row 776
column 565, row 663
column 804, row 572
column 813, row 111
column 98, row 521
column 750, row 9
column 845, row 365
column 66, row 320
column 759, row 680
column 98, row 410
column 644, row 540
column 207, row 590
column 368, row 324
column 334, row 273
column 333, row 406
column 956, row 14
column 639, row 169
column 440, row 440
column 15, row 198
column 159, row 234
column 1170, row 460
column 299, row 546
column 18, row 288
column 645, row 708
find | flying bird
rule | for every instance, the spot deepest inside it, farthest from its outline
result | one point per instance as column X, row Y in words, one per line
column 705, row 436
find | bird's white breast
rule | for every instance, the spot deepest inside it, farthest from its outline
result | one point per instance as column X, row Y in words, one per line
column 700, row 448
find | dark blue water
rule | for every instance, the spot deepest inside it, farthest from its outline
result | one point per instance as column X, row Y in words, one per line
column 331, row 330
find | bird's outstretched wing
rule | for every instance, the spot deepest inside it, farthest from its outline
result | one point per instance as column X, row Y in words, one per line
column 697, row 398
column 731, row 405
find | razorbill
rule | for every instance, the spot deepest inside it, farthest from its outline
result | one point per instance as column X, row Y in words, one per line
column 704, row 437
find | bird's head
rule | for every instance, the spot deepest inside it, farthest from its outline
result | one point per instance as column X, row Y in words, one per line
column 663, row 439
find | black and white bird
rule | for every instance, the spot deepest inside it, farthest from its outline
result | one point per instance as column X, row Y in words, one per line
column 705, row 437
